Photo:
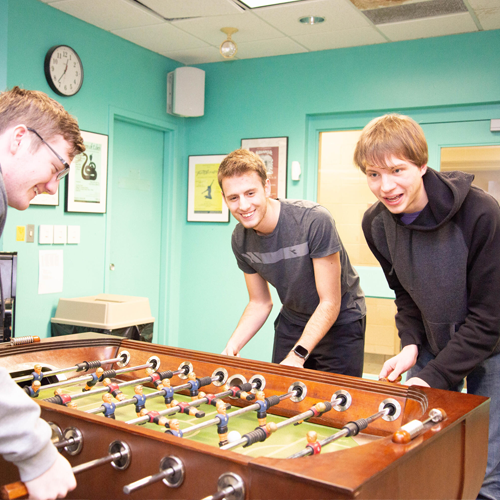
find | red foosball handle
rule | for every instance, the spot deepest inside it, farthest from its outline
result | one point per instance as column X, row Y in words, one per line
column 14, row 490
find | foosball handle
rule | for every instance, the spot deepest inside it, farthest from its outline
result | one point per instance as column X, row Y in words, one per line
column 14, row 490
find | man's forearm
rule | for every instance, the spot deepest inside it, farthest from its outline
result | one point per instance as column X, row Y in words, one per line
column 319, row 323
column 251, row 321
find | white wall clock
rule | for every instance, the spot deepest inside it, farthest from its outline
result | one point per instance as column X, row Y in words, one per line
column 63, row 70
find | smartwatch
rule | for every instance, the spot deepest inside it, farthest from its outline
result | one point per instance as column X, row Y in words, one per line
column 301, row 352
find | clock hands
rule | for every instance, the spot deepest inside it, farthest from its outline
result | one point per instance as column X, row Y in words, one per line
column 65, row 69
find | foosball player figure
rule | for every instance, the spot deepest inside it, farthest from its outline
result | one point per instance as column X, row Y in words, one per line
column 34, row 390
column 37, row 374
column 262, row 411
column 158, row 382
column 175, row 428
column 140, row 398
column 191, row 410
column 312, row 442
column 114, row 389
column 96, row 376
column 195, row 386
column 169, row 393
column 109, row 406
column 223, row 420
column 155, row 418
column 72, row 404
column 238, row 393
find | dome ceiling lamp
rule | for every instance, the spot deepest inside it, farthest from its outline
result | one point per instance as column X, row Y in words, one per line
column 228, row 47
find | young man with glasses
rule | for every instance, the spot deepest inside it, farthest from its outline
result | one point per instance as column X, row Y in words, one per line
column 38, row 141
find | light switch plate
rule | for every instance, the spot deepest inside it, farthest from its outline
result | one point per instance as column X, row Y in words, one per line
column 30, row 233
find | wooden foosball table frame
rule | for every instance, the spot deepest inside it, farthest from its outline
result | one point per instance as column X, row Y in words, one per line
column 447, row 461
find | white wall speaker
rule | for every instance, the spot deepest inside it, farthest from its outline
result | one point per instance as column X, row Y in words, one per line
column 186, row 92
column 495, row 126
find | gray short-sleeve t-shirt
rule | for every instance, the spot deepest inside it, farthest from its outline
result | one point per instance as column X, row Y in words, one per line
column 305, row 231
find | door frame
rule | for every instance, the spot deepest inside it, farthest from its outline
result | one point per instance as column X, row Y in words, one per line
column 167, row 323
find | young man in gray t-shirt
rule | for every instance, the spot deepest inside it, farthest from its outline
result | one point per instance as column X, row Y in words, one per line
column 294, row 246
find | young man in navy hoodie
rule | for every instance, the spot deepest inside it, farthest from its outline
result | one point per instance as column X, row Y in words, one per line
column 437, row 238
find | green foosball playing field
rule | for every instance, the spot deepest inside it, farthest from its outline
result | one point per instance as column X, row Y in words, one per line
column 281, row 444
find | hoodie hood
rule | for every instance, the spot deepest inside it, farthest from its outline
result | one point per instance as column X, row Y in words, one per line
column 446, row 192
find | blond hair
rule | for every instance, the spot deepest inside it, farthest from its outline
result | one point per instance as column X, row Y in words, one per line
column 241, row 162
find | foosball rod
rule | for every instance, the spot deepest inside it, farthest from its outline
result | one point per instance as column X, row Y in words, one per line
column 414, row 428
column 260, row 434
column 272, row 401
column 124, row 358
column 120, row 459
column 350, row 429
column 106, row 374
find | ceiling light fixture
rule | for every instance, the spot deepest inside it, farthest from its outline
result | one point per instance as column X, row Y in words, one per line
column 228, row 48
column 311, row 20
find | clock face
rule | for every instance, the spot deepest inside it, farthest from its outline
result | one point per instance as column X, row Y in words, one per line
column 63, row 70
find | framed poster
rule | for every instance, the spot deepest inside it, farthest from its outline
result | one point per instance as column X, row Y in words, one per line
column 205, row 200
column 46, row 199
column 274, row 154
column 86, row 182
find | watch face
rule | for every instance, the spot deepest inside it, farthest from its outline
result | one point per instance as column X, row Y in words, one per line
column 301, row 351
column 63, row 70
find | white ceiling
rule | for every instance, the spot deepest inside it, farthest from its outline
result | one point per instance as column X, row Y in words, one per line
column 188, row 31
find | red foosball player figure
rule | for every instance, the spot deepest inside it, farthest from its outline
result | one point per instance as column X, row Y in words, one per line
column 95, row 378
column 190, row 410
column 140, row 398
column 34, row 390
column 109, row 406
column 238, row 393
column 175, row 428
column 155, row 418
column 157, row 383
column 260, row 399
column 312, row 442
column 223, row 420
column 169, row 393
column 114, row 389
column 37, row 374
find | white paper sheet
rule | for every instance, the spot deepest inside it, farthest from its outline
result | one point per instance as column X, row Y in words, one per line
column 50, row 271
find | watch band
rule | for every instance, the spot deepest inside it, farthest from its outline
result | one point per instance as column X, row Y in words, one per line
column 301, row 352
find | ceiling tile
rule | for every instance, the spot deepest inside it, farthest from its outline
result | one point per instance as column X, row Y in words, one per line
column 489, row 18
column 161, row 38
column 430, row 27
column 341, row 39
column 196, row 56
column 171, row 9
column 275, row 47
column 250, row 28
column 337, row 13
column 484, row 4
column 109, row 14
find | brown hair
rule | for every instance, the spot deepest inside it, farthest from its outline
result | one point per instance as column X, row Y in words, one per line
column 391, row 135
column 241, row 162
column 38, row 111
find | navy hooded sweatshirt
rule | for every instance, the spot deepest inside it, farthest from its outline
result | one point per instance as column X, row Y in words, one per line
column 445, row 271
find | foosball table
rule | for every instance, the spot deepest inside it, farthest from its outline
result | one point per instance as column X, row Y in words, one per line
column 164, row 422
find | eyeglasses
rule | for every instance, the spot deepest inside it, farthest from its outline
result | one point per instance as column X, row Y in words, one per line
column 62, row 173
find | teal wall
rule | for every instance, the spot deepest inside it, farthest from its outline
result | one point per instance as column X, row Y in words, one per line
column 295, row 96
column 286, row 96
column 120, row 77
